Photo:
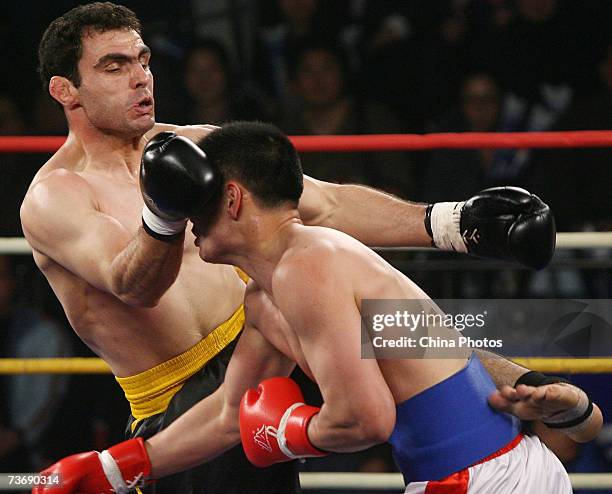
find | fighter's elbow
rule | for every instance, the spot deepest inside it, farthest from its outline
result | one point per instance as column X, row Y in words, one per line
column 131, row 292
column 373, row 425
column 378, row 428
column 321, row 209
column 138, row 299
column 364, row 433
column 230, row 424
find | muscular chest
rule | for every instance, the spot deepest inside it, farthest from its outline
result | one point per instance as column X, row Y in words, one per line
column 120, row 200
column 123, row 202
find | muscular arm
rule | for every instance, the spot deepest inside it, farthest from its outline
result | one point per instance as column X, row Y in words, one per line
column 371, row 216
column 211, row 427
column 504, row 372
column 61, row 221
column 358, row 409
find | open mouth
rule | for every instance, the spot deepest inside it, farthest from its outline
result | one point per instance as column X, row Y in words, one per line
column 145, row 104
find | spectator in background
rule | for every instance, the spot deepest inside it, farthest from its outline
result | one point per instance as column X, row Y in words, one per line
column 212, row 93
column 413, row 55
column 540, row 58
column 486, row 17
column 455, row 173
column 29, row 402
column 17, row 169
column 325, row 104
column 301, row 19
column 577, row 181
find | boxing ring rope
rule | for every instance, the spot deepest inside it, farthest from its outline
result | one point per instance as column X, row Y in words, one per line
column 388, row 142
column 565, row 240
column 388, row 481
column 348, row 481
column 98, row 366
column 384, row 142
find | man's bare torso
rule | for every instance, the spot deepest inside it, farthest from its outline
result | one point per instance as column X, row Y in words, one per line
column 371, row 278
column 133, row 339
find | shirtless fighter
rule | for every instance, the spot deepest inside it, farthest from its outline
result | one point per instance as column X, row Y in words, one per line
column 139, row 297
column 303, row 306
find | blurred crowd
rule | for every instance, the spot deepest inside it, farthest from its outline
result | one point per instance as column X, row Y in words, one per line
column 326, row 67
column 361, row 67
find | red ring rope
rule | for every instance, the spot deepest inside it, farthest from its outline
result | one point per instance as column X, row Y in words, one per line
column 385, row 142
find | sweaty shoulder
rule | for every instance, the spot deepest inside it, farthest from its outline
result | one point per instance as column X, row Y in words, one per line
column 53, row 196
column 315, row 256
column 311, row 277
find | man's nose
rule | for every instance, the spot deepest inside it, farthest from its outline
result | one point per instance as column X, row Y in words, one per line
column 140, row 76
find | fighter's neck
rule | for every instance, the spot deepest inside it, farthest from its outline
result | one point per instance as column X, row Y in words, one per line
column 106, row 152
column 261, row 254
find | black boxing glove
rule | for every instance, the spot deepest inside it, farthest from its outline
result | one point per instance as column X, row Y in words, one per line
column 506, row 223
column 176, row 181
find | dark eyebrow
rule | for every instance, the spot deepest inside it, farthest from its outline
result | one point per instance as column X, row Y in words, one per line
column 120, row 57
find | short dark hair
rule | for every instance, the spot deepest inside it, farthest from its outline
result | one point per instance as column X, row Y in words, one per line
column 61, row 46
column 259, row 156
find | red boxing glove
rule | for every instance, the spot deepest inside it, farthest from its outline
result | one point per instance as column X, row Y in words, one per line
column 274, row 421
column 116, row 470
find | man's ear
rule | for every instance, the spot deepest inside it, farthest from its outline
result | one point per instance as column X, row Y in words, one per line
column 63, row 91
column 234, row 199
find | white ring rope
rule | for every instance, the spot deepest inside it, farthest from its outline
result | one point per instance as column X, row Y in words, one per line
column 351, row 481
column 14, row 245
column 565, row 240
column 387, row 481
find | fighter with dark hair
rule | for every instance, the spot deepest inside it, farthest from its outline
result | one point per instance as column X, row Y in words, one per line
column 128, row 275
column 303, row 306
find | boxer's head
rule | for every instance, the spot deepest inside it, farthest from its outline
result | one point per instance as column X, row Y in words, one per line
column 262, row 178
column 93, row 62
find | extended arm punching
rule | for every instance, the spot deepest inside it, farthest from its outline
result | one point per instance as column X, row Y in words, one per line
column 501, row 223
column 369, row 215
column 505, row 223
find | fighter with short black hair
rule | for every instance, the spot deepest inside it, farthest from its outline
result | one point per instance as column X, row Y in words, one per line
column 303, row 306
column 128, row 275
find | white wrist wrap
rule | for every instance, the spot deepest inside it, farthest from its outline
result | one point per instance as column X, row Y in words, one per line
column 112, row 472
column 446, row 226
column 571, row 415
column 160, row 225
